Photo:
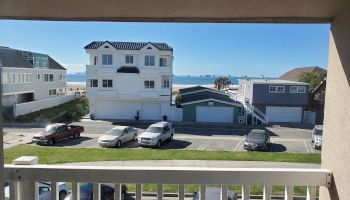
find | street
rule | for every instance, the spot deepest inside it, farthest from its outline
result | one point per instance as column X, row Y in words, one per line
column 186, row 137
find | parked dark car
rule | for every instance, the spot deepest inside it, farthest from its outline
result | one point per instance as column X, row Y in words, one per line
column 54, row 132
column 257, row 140
column 215, row 194
column 107, row 192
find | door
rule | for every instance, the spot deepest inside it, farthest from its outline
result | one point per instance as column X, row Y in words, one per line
column 284, row 114
column 125, row 135
column 214, row 114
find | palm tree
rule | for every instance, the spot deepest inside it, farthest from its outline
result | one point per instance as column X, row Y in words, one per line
column 222, row 82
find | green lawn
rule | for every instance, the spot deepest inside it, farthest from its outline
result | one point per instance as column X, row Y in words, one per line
column 52, row 155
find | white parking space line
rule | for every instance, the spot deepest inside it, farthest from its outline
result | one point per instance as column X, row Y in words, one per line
column 203, row 146
column 307, row 149
column 239, row 143
column 311, row 148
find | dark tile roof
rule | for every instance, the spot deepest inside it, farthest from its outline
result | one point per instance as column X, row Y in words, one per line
column 129, row 45
column 193, row 89
column 13, row 58
column 206, row 95
column 128, row 69
column 293, row 75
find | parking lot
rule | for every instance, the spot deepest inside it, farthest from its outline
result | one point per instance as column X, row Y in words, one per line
column 187, row 138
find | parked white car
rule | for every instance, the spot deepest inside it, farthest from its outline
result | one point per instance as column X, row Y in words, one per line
column 44, row 189
column 156, row 134
column 118, row 135
column 317, row 136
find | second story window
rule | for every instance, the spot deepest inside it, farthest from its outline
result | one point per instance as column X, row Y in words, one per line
column 129, row 59
column 297, row 89
column 149, row 60
column 149, row 84
column 48, row 77
column 276, row 89
column 38, row 76
column 107, row 59
column 107, row 83
column 93, row 83
column 166, row 83
column 163, row 62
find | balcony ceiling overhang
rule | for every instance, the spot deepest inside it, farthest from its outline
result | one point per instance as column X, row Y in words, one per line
column 245, row 11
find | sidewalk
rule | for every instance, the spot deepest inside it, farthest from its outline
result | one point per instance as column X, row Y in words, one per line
column 198, row 163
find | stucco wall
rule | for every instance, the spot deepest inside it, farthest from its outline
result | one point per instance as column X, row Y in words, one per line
column 336, row 148
column 189, row 111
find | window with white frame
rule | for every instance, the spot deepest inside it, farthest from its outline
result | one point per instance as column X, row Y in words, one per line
column 149, row 60
column 149, row 84
column 166, row 83
column 107, row 59
column 5, row 78
column 163, row 62
column 276, row 89
column 93, row 83
column 52, row 92
column 62, row 77
column 297, row 89
column 48, row 77
column 129, row 59
column 107, row 83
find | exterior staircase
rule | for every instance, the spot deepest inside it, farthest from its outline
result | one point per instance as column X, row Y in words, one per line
column 249, row 108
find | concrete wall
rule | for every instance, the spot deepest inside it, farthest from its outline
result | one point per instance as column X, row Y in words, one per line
column 261, row 95
column 189, row 111
column 25, row 108
column 336, row 148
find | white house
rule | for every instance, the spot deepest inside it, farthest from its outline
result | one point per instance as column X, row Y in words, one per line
column 29, row 76
column 129, row 78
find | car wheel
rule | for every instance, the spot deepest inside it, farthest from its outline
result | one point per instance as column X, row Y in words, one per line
column 76, row 135
column 118, row 144
column 51, row 142
column 171, row 138
column 62, row 195
column 135, row 137
column 158, row 144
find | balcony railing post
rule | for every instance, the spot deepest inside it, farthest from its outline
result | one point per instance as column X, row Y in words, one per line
column 245, row 192
column 117, row 191
column 76, row 191
column 181, row 192
column 160, row 191
column 138, row 191
column 97, row 191
column 311, row 193
column 27, row 189
column 202, row 191
column 267, row 192
column 54, row 191
column 289, row 192
column 224, row 191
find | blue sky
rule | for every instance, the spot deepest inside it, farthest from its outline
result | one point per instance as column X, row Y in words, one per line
column 222, row 49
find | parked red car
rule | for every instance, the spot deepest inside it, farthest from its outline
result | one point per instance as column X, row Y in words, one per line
column 54, row 132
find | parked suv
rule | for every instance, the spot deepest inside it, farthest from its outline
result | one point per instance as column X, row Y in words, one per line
column 317, row 136
column 156, row 134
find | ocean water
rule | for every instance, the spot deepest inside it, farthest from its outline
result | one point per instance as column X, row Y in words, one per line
column 177, row 80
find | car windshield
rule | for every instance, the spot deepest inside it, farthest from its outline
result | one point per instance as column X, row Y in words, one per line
column 256, row 135
column 154, row 129
column 50, row 129
column 115, row 132
column 318, row 132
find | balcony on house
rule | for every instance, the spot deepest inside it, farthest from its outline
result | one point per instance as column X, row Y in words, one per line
column 22, row 179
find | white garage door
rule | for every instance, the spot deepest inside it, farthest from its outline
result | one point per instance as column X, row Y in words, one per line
column 214, row 114
column 113, row 110
column 150, row 111
column 284, row 114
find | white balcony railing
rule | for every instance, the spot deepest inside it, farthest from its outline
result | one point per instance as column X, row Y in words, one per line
column 23, row 177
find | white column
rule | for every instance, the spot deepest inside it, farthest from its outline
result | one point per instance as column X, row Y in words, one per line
column 288, row 192
column 245, row 192
column 311, row 193
column 267, row 192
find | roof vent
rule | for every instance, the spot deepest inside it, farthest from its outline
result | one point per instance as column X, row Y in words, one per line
column 106, row 47
column 149, row 47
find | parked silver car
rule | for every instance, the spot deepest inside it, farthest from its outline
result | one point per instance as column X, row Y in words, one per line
column 44, row 189
column 317, row 136
column 156, row 134
column 118, row 135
